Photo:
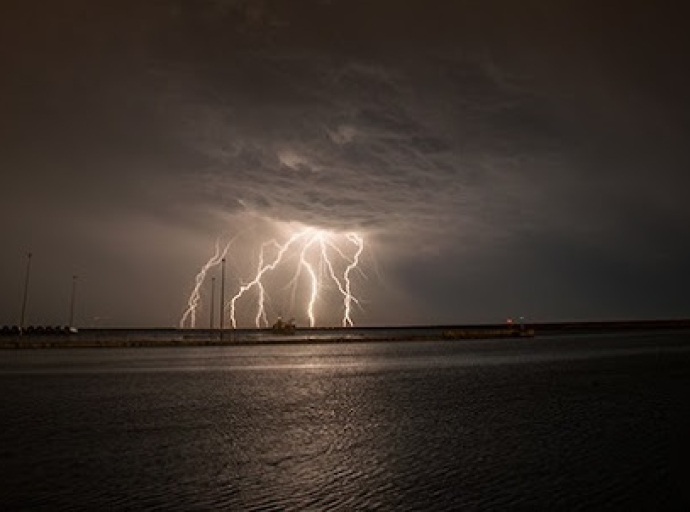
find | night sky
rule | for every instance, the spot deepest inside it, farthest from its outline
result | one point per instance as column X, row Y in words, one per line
column 501, row 158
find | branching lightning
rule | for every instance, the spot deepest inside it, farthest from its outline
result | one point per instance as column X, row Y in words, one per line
column 359, row 243
column 315, row 261
column 189, row 316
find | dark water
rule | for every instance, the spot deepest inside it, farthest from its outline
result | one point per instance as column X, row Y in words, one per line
column 589, row 422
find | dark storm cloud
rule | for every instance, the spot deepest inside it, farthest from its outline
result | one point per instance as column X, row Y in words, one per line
column 479, row 143
column 350, row 142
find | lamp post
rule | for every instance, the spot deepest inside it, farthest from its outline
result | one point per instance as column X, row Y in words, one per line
column 72, row 301
column 25, row 297
column 213, row 294
column 222, row 297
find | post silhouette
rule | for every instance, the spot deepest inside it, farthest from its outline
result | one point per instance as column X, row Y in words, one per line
column 25, row 297
column 72, row 301
column 222, row 296
column 213, row 294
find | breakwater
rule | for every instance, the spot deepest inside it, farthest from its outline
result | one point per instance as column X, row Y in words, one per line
column 121, row 337
column 116, row 338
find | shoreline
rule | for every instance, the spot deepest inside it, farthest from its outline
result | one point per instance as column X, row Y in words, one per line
column 74, row 341
column 152, row 338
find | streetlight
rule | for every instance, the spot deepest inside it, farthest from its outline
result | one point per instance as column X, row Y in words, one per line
column 222, row 296
column 72, row 301
column 213, row 294
column 26, row 292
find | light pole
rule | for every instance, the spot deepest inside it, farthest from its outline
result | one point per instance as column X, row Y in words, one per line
column 72, row 301
column 213, row 294
column 26, row 292
column 222, row 297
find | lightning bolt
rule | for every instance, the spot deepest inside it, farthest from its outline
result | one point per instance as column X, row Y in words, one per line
column 315, row 257
column 345, row 287
column 261, row 310
column 189, row 316
column 256, row 281
column 313, row 279
column 348, row 298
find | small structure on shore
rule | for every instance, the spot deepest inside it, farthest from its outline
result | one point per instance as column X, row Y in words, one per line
column 479, row 333
column 282, row 327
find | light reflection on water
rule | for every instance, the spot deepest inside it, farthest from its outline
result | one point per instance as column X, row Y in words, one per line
column 426, row 354
column 545, row 423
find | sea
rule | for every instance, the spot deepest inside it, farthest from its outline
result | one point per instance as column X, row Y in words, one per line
column 565, row 422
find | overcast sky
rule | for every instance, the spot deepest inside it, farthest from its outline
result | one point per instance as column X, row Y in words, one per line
column 501, row 158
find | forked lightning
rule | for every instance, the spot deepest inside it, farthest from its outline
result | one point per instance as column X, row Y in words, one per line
column 189, row 316
column 313, row 256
